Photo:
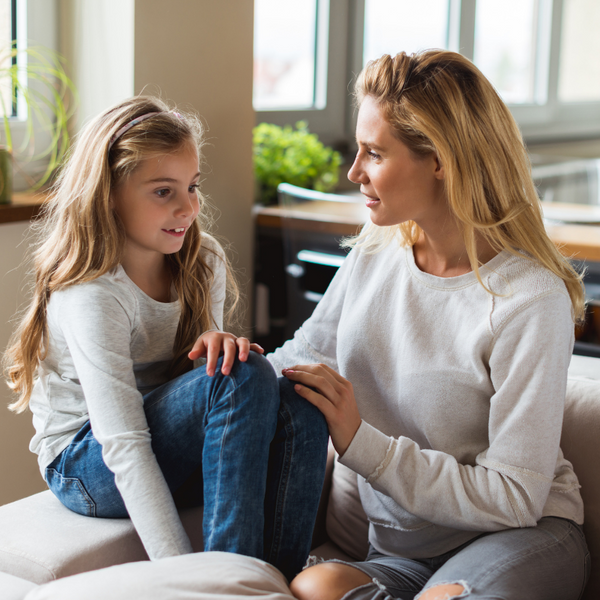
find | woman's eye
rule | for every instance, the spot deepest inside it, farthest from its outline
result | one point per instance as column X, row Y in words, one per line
column 373, row 155
column 194, row 187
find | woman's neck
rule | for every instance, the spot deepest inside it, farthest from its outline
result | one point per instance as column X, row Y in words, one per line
column 445, row 255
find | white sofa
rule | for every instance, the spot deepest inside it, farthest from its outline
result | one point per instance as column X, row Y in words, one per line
column 49, row 553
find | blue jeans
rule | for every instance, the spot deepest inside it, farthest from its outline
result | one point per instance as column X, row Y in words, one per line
column 245, row 446
column 547, row 562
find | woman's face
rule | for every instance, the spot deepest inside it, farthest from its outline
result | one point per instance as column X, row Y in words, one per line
column 398, row 187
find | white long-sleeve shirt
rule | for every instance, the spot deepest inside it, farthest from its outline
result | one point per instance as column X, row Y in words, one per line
column 108, row 344
column 461, row 395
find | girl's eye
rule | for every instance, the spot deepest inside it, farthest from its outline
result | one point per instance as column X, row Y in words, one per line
column 163, row 193
column 194, row 187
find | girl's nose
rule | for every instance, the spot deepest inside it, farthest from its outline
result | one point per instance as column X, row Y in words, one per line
column 185, row 206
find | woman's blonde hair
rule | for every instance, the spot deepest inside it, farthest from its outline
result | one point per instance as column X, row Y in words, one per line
column 439, row 102
column 80, row 237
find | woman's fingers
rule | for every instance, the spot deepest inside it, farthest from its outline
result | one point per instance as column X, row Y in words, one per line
column 333, row 395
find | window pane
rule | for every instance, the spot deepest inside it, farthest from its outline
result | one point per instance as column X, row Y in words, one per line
column 579, row 74
column 505, row 47
column 5, row 59
column 393, row 26
column 284, row 54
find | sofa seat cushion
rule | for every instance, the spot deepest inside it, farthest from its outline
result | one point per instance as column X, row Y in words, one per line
column 201, row 576
column 42, row 540
column 14, row 588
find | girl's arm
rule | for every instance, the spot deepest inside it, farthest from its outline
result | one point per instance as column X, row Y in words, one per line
column 97, row 323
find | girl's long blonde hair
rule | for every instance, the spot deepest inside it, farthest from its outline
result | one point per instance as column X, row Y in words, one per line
column 80, row 237
column 439, row 102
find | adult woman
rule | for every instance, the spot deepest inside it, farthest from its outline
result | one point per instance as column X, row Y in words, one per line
column 444, row 342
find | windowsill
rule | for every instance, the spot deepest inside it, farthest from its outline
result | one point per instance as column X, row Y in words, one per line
column 24, row 206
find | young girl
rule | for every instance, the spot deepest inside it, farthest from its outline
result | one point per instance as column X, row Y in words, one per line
column 444, row 342
column 129, row 291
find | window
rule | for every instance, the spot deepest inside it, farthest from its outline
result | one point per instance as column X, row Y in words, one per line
column 537, row 53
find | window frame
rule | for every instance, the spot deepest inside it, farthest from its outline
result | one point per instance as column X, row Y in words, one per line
column 552, row 120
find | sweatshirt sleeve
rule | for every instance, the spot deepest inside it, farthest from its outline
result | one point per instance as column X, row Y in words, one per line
column 97, row 327
column 215, row 259
column 316, row 340
column 510, row 481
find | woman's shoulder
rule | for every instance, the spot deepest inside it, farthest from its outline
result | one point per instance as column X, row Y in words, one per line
column 522, row 284
column 521, row 275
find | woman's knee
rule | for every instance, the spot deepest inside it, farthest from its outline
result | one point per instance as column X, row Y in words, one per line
column 327, row 581
column 444, row 591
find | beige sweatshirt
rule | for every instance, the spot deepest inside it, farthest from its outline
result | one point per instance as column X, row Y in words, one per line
column 461, row 395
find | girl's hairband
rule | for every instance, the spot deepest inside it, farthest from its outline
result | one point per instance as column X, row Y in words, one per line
column 135, row 121
column 127, row 127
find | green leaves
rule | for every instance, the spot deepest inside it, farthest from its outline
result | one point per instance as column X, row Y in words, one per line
column 39, row 81
column 284, row 154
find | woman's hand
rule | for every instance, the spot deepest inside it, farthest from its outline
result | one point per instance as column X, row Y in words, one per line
column 333, row 396
column 213, row 344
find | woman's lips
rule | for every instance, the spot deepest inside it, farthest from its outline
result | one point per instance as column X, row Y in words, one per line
column 370, row 201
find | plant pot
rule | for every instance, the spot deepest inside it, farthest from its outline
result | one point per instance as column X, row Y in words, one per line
column 6, row 172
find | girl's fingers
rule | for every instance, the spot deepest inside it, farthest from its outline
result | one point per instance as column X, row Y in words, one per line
column 257, row 348
column 243, row 345
column 229, row 352
column 198, row 349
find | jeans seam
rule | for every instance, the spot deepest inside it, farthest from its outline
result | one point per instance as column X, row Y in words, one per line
column 282, row 487
column 84, row 493
column 221, row 448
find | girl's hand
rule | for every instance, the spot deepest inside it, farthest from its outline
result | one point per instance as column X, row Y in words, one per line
column 213, row 344
column 333, row 396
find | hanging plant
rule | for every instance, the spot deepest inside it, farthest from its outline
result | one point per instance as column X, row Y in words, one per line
column 38, row 84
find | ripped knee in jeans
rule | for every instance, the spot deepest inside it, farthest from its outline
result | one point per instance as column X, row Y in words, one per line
column 445, row 591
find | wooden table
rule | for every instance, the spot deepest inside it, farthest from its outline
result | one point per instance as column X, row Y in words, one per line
column 24, row 207
column 578, row 241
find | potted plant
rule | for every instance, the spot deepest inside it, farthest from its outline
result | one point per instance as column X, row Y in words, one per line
column 34, row 81
column 285, row 154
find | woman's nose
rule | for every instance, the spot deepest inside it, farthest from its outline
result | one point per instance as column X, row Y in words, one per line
column 356, row 174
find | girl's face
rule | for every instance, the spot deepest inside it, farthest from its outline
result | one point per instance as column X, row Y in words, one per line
column 398, row 187
column 157, row 203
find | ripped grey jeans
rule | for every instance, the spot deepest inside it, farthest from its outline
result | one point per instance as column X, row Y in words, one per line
column 547, row 562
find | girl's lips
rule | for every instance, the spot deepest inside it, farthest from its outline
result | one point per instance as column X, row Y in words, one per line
column 176, row 231
column 370, row 201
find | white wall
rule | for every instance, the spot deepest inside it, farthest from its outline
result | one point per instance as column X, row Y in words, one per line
column 19, row 474
column 198, row 54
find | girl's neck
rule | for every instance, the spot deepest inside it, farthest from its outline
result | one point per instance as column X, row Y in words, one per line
column 152, row 277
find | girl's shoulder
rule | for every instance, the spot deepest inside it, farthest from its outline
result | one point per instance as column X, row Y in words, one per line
column 113, row 288
column 212, row 252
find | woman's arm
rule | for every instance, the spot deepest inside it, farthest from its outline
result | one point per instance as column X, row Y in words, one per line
column 509, row 483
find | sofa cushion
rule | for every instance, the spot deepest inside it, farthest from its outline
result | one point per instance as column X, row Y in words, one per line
column 346, row 521
column 581, row 445
column 42, row 540
column 202, row 576
column 14, row 588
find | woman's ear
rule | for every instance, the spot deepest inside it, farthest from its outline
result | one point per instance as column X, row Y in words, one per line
column 439, row 169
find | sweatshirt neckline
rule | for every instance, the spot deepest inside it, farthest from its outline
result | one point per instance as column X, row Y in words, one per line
column 139, row 292
column 452, row 283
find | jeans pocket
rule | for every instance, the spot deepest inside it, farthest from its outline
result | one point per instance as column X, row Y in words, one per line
column 71, row 492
